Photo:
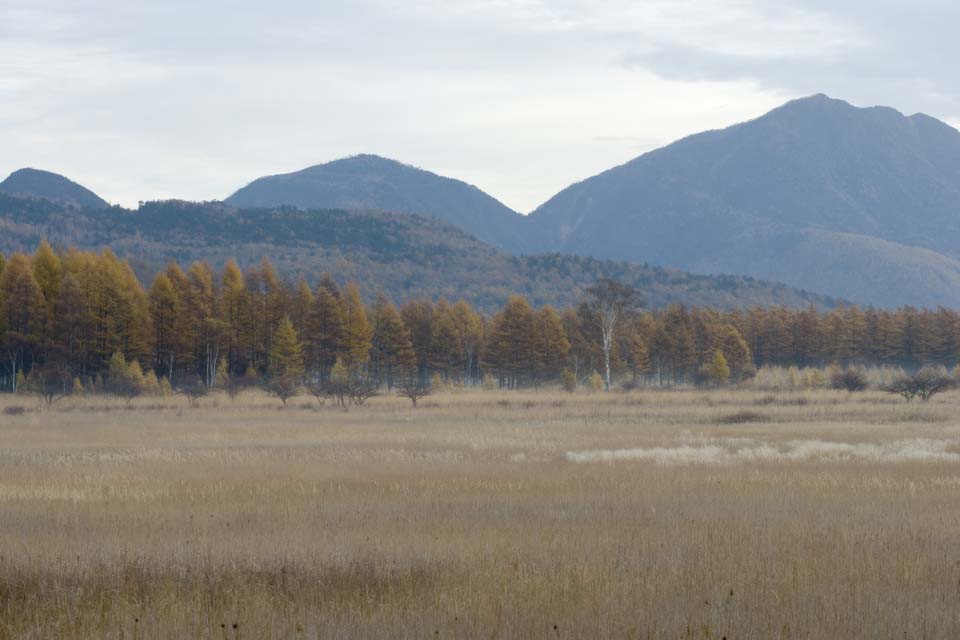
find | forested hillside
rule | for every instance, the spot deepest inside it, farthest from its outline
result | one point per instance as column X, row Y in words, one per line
column 404, row 256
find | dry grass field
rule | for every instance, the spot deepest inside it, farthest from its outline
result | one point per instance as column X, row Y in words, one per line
column 483, row 515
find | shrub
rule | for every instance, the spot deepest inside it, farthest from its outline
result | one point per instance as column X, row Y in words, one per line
column 850, row 379
column 413, row 389
column 489, row 382
column 595, row 382
column 923, row 384
column 49, row 382
column 568, row 381
column 813, row 379
column 235, row 385
column 192, row 387
column 284, row 387
column 151, row 386
column 125, row 379
column 743, row 417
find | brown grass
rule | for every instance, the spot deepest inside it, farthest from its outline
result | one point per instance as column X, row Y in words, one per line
column 523, row 515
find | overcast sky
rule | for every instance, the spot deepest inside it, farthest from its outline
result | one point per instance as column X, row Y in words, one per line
column 141, row 99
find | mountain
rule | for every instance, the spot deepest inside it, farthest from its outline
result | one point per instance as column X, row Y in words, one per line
column 406, row 256
column 857, row 203
column 375, row 183
column 34, row 183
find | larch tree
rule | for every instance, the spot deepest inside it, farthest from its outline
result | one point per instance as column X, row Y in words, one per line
column 165, row 310
column 445, row 356
column 210, row 329
column 583, row 353
column 391, row 355
column 357, row 329
column 23, row 314
column 550, row 343
column 301, row 307
column 325, row 335
column 71, row 324
column 469, row 326
column 286, row 361
column 48, row 271
column 510, row 344
column 418, row 317
column 234, row 313
column 719, row 371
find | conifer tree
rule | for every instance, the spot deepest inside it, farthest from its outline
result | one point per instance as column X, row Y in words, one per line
column 165, row 310
column 719, row 371
column 391, row 355
column 326, row 329
column 286, row 358
column 510, row 345
column 469, row 326
column 550, row 343
column 357, row 332
column 735, row 352
column 48, row 272
column 418, row 317
column 234, row 313
column 639, row 356
column 23, row 314
column 286, row 361
column 445, row 356
column 302, row 307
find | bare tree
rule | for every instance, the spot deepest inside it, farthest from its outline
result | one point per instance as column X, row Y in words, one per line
column 194, row 388
column 321, row 391
column 923, row 384
column 284, row 387
column 611, row 301
column 414, row 389
column 49, row 382
column 361, row 390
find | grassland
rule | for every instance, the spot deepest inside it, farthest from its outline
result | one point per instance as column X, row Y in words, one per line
column 483, row 515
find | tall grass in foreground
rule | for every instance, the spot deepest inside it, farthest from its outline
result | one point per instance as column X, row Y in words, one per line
column 472, row 516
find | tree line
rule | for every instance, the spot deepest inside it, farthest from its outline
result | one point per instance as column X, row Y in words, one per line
column 86, row 316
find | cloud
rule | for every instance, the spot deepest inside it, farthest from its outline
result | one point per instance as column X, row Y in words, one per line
column 521, row 97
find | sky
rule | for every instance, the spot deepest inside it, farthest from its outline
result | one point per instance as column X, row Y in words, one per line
column 142, row 100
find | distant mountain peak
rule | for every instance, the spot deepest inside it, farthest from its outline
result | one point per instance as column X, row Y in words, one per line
column 858, row 202
column 37, row 183
column 372, row 182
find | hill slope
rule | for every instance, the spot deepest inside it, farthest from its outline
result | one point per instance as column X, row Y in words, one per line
column 370, row 182
column 34, row 183
column 859, row 203
column 406, row 256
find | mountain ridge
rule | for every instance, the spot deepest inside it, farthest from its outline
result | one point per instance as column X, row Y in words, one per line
column 368, row 181
column 37, row 183
column 811, row 165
